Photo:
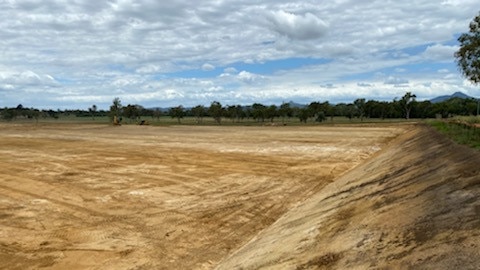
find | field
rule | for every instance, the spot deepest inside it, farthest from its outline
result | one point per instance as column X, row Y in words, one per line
column 178, row 197
column 198, row 197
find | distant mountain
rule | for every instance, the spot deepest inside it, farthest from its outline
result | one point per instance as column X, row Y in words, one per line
column 296, row 105
column 445, row 98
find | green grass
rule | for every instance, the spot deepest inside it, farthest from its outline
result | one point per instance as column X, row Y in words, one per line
column 460, row 133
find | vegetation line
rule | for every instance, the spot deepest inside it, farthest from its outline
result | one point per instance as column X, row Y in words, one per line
column 360, row 110
column 463, row 130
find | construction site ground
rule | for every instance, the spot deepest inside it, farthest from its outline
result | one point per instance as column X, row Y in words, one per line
column 205, row 197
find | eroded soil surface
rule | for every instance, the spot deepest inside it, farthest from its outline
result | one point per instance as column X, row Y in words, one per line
column 415, row 205
column 139, row 197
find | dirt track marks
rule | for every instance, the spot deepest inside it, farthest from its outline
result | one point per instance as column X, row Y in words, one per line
column 179, row 197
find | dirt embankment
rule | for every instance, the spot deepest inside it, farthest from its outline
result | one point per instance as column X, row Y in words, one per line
column 415, row 205
column 130, row 197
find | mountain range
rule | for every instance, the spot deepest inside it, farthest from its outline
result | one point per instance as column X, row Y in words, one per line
column 447, row 97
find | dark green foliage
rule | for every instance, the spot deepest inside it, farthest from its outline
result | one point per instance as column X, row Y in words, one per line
column 116, row 108
column 177, row 112
column 468, row 55
column 216, row 111
column 259, row 112
column 407, row 107
column 199, row 112
column 132, row 111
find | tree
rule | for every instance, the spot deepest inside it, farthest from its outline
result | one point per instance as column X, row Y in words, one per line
column 360, row 106
column 234, row 112
column 315, row 109
column 116, row 109
column 303, row 114
column 198, row 112
column 132, row 111
column 285, row 111
column 177, row 112
column 9, row 114
column 259, row 112
column 216, row 111
column 93, row 110
column 157, row 113
column 406, row 103
column 468, row 55
column 271, row 112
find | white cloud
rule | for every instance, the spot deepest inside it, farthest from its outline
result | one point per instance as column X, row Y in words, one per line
column 396, row 80
column 302, row 27
column 56, row 54
column 208, row 67
column 230, row 70
column 26, row 78
column 249, row 78
column 364, row 85
column 440, row 52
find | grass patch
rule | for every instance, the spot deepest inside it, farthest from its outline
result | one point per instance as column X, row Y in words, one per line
column 462, row 132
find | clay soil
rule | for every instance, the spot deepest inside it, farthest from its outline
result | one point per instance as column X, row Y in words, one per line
column 414, row 205
column 141, row 197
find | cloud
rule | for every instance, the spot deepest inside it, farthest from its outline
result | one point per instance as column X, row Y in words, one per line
column 148, row 69
column 249, row 78
column 230, row 70
column 53, row 53
column 301, row 27
column 208, row 67
column 440, row 52
column 27, row 78
column 328, row 86
column 396, row 81
column 364, row 85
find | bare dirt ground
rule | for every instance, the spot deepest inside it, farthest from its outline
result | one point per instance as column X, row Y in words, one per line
column 139, row 197
column 415, row 205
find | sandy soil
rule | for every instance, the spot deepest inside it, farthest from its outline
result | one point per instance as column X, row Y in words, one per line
column 415, row 205
column 139, row 197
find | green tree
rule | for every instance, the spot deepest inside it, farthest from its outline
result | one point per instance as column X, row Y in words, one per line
column 303, row 114
column 36, row 114
column 234, row 112
column 271, row 112
column 285, row 111
column 132, row 111
column 259, row 112
column 406, row 103
column 315, row 109
column 199, row 112
column 177, row 112
column 93, row 111
column 157, row 113
column 9, row 114
column 468, row 55
column 360, row 107
column 216, row 111
column 116, row 109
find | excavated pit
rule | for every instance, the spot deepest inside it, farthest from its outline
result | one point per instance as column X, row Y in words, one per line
column 130, row 197
column 415, row 205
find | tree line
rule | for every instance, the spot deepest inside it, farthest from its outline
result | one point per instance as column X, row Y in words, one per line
column 406, row 107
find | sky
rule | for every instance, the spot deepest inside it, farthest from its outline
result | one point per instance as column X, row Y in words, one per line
column 58, row 54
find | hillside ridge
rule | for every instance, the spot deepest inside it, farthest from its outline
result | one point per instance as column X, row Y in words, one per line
column 414, row 204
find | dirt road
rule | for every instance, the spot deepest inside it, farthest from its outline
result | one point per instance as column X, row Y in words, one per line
column 139, row 197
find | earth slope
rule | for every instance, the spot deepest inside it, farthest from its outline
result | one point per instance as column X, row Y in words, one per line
column 414, row 205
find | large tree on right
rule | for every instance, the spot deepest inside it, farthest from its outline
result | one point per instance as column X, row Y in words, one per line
column 468, row 56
